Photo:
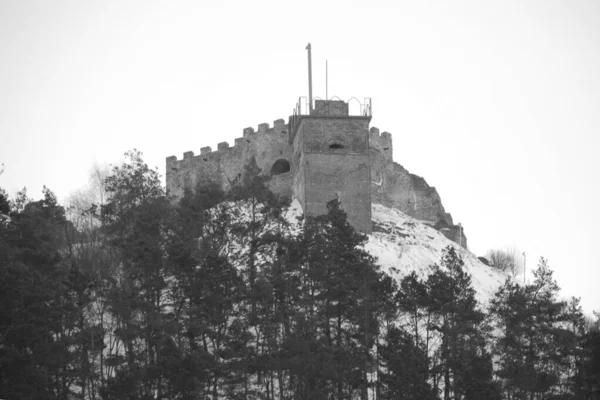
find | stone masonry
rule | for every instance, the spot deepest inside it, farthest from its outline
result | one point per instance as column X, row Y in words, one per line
column 321, row 156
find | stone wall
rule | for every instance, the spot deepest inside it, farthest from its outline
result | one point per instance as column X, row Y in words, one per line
column 330, row 108
column 346, row 135
column 381, row 143
column 455, row 233
column 299, row 186
column 342, row 177
column 393, row 186
column 333, row 163
column 331, row 155
column 267, row 145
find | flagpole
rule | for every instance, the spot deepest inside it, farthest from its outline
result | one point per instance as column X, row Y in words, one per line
column 309, row 80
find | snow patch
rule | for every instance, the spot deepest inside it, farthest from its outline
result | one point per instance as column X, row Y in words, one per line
column 403, row 244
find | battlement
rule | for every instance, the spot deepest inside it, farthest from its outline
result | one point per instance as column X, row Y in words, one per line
column 267, row 144
column 248, row 134
column 374, row 133
column 327, row 109
column 381, row 142
column 336, row 154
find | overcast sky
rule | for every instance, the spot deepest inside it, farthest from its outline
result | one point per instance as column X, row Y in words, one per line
column 496, row 104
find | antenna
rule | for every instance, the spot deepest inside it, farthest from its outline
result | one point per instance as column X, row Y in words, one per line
column 326, row 81
column 309, row 80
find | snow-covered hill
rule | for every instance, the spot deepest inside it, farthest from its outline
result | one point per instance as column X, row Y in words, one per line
column 403, row 244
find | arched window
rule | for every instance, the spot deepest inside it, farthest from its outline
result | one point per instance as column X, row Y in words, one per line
column 336, row 146
column 280, row 167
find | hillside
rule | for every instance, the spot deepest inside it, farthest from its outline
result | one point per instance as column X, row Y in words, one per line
column 216, row 297
column 403, row 244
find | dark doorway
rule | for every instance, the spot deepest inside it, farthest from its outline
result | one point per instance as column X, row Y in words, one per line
column 280, row 167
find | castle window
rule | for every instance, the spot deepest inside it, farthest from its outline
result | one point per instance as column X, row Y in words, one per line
column 336, row 146
column 280, row 167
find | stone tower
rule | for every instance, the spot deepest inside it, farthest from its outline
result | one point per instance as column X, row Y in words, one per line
column 319, row 155
column 331, row 160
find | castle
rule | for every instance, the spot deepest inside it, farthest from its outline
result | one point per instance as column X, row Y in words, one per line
column 320, row 154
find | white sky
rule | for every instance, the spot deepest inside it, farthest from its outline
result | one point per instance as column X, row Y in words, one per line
column 496, row 104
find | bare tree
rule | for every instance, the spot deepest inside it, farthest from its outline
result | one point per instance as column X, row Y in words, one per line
column 509, row 260
column 97, row 262
column 83, row 204
column 98, row 174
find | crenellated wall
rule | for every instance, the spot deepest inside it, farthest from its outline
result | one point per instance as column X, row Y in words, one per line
column 267, row 145
column 382, row 143
column 341, row 169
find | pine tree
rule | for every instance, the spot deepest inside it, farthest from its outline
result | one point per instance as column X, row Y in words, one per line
column 194, row 241
column 590, row 363
column 457, row 319
column 4, row 203
column 413, row 302
column 336, row 323
column 403, row 370
column 35, row 358
column 257, row 211
column 133, row 220
column 257, row 231
column 536, row 349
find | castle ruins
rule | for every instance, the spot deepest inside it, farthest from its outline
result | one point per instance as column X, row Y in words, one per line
column 319, row 155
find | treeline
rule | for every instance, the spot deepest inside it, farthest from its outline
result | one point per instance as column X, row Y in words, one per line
column 218, row 296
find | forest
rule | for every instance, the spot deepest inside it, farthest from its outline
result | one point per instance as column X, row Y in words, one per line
column 218, row 296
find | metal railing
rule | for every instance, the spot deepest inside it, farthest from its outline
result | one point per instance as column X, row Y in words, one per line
column 367, row 111
column 298, row 112
column 302, row 109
